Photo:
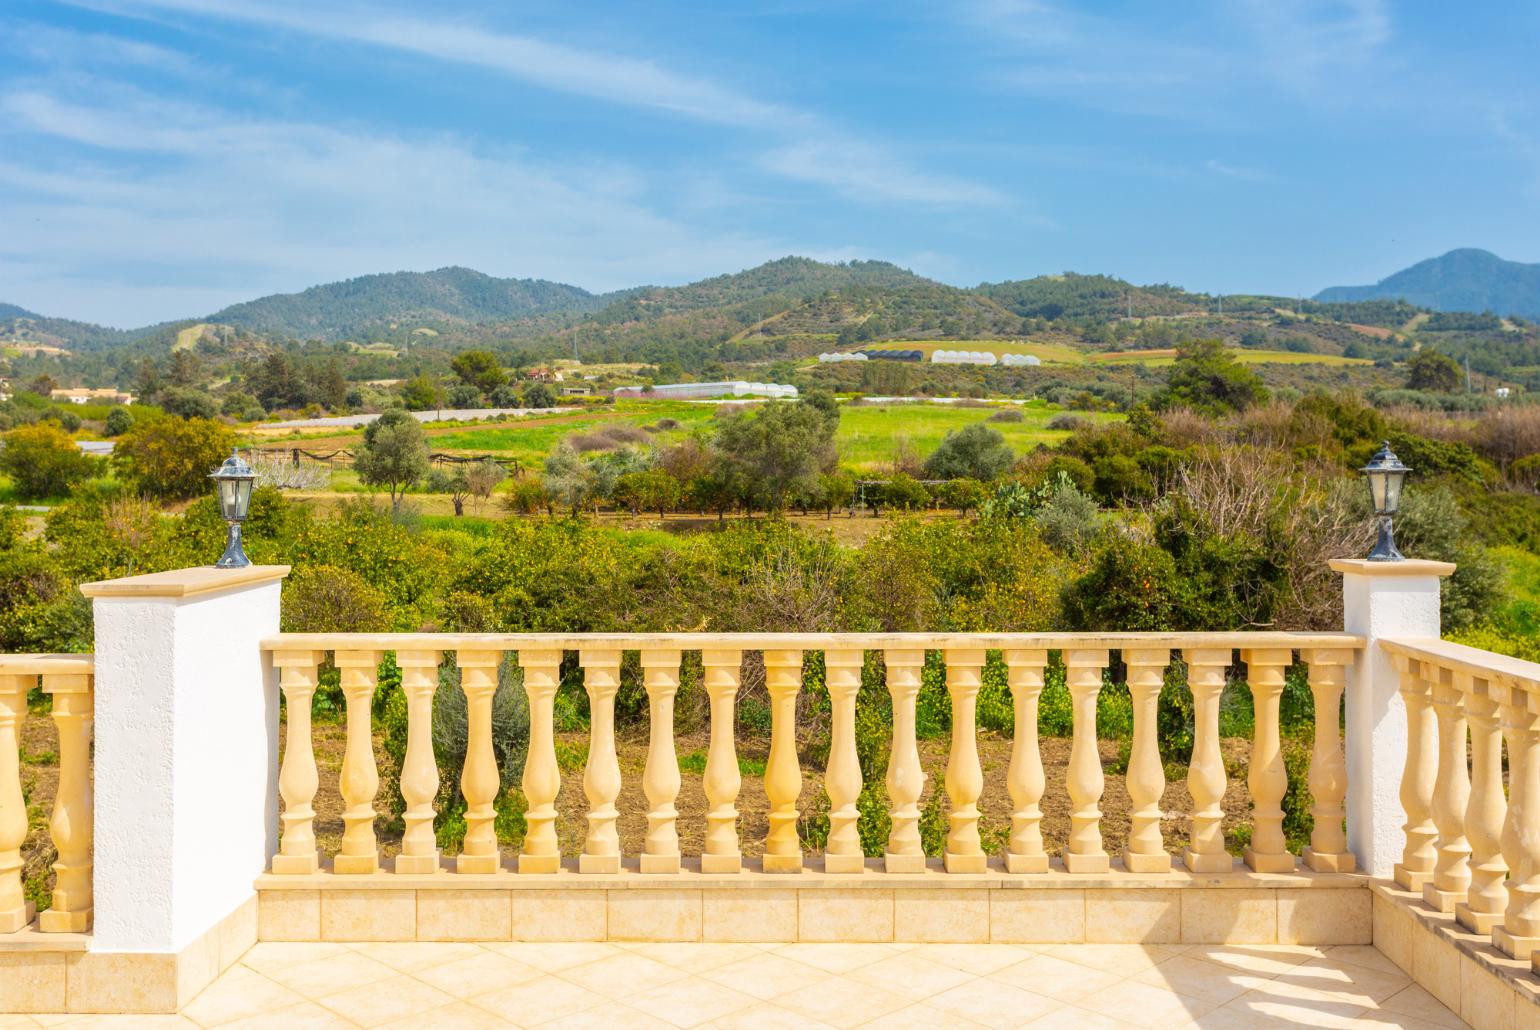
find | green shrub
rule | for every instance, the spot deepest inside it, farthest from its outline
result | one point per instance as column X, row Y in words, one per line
column 43, row 461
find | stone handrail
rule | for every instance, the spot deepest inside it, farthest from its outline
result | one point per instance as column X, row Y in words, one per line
column 1471, row 848
column 298, row 657
column 68, row 680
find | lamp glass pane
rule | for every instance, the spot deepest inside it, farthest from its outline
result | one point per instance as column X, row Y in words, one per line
column 1393, row 481
column 1377, row 489
column 227, row 497
column 242, row 497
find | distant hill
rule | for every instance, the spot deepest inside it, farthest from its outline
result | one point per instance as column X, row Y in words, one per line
column 1087, row 296
column 354, row 306
column 791, row 278
column 1461, row 280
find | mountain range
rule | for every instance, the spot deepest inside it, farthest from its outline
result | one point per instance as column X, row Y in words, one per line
column 796, row 294
column 1461, row 280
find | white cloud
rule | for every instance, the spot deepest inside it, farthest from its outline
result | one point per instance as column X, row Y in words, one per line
column 862, row 171
column 220, row 210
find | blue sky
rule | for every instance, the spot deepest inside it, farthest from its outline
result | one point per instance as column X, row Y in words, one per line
column 162, row 158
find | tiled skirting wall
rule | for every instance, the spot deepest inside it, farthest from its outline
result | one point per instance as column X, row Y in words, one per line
column 1461, row 969
column 59, row 973
column 934, row 907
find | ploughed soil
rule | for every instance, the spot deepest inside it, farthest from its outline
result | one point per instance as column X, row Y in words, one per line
column 39, row 775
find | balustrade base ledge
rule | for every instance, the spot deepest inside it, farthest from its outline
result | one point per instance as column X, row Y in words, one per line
column 1459, row 967
column 16, row 920
column 1441, row 901
column 1412, row 880
column 1476, row 922
column 1328, row 863
column 931, row 874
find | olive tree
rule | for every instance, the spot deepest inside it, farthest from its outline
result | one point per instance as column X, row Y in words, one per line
column 394, row 454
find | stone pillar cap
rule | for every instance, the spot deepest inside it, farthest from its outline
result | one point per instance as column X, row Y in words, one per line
column 204, row 579
column 1409, row 567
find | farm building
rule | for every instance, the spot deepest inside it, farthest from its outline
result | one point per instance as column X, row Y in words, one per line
column 707, row 391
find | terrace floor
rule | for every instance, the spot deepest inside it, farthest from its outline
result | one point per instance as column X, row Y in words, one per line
column 800, row 985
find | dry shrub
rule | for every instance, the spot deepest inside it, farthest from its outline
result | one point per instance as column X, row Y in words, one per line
column 1268, row 425
column 1506, row 434
column 1184, row 427
column 1434, row 425
column 607, row 438
column 1010, row 415
column 281, row 471
column 1311, row 517
column 971, row 402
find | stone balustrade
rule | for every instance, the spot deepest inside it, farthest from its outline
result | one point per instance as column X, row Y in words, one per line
column 1472, row 843
column 1086, row 658
column 67, row 680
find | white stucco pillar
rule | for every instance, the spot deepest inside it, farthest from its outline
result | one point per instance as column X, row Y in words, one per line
column 1381, row 599
column 186, row 759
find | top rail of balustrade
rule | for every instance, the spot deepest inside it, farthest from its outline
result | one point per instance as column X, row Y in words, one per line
column 804, row 641
column 1485, row 665
column 47, row 664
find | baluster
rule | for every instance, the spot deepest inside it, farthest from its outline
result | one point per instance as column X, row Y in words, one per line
column 360, row 779
column 419, row 769
column 1024, row 778
column 842, row 854
column 1327, row 852
column 1520, row 930
column 964, row 776
column 601, row 775
column 1416, row 865
column 1206, row 772
column 297, row 779
column 1146, row 851
column 660, row 675
column 542, row 779
column 1488, row 896
column 479, row 780
column 1083, row 853
column 722, row 853
column 1451, row 868
column 1266, row 777
column 15, row 910
column 72, row 820
column 783, row 774
column 906, row 779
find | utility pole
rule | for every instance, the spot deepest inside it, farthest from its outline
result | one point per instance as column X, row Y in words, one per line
column 1467, row 373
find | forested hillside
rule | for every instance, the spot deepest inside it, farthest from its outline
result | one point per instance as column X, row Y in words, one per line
column 1468, row 280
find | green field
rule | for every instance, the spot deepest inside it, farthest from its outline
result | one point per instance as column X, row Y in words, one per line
column 1056, row 353
column 868, row 434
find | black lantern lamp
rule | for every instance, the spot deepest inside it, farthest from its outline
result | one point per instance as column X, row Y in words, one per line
column 1385, row 474
column 234, row 480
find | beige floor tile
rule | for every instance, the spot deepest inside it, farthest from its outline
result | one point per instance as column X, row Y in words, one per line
column 1340, row 981
column 142, row 1022
column 1418, row 1003
column 538, row 1001
column 1119, row 959
column 1266, row 960
column 694, row 958
column 17, row 1022
column 410, row 956
column 607, row 1017
column 239, row 993
column 766, row 1016
column 477, row 974
column 838, row 958
column 1056, row 978
column 376, row 1003
column 978, row 959
column 1366, row 955
column 919, row 1016
column 265, row 956
column 557, row 955
column 766, row 976
column 347, row 971
column 621, row 975
column 307, row 1015
column 842, row 1002
column 1264, row 1010
column 1072, row 1018
column 1138, row 1004
column 992, row 1004
column 690, row 1002
column 1196, row 978
column 462, row 1015
column 910, row 976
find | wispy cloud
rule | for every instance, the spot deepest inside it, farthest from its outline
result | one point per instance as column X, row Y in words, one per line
column 220, row 209
column 861, row 169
